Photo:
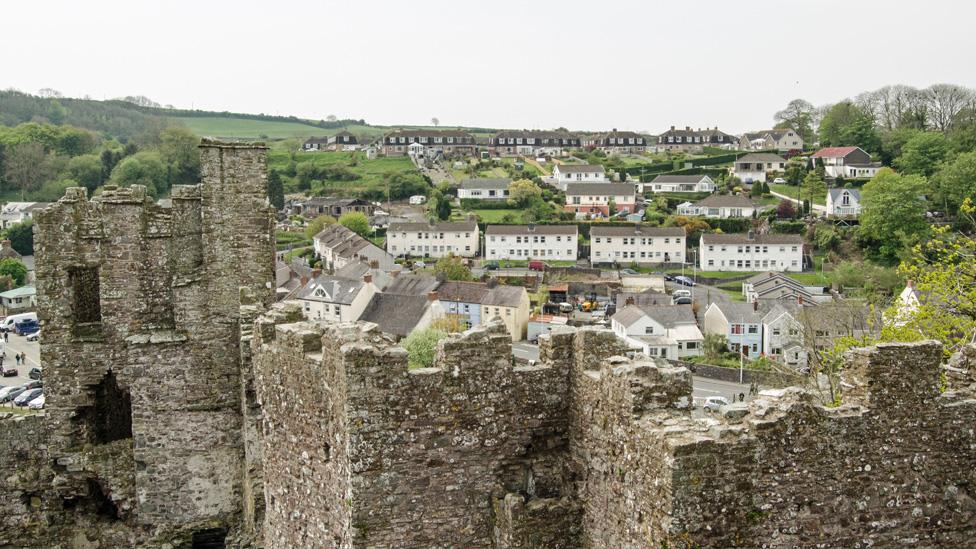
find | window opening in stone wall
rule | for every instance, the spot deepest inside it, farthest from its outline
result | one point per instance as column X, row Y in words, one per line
column 110, row 418
column 86, row 305
column 212, row 538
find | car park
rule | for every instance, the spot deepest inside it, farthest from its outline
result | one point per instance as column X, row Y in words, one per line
column 684, row 281
column 13, row 393
column 24, row 398
column 37, row 403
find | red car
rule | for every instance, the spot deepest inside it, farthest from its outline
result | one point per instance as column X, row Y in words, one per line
column 537, row 266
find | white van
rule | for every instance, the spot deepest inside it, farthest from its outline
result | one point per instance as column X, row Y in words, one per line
column 7, row 324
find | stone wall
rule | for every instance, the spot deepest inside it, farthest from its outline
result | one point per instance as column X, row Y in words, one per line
column 142, row 438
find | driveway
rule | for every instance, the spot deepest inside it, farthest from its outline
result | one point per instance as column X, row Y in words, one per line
column 816, row 207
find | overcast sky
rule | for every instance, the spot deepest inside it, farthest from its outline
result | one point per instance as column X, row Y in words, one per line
column 589, row 65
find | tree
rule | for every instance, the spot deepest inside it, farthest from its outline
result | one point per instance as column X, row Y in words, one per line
column 845, row 124
column 435, row 121
column 893, row 213
column 14, row 269
column 714, row 346
column 693, row 226
column 444, row 208
column 21, row 237
column 86, row 170
column 26, row 167
column 452, row 267
column 956, row 181
column 179, row 148
column 421, row 346
column 522, row 191
column 332, row 118
column 356, row 222
column 276, row 190
column 143, row 168
column 785, row 209
column 798, row 115
column 923, row 153
column 814, row 187
column 795, row 172
column 755, row 190
column 316, row 225
column 944, row 102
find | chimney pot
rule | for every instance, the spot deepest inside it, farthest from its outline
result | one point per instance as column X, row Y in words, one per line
column 394, row 274
column 432, row 296
column 755, row 305
column 672, row 128
column 368, row 278
column 374, row 264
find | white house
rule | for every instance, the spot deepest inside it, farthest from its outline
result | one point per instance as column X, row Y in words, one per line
column 792, row 331
column 719, row 206
column 595, row 199
column 544, row 242
column 19, row 299
column 753, row 167
column 339, row 246
column 783, row 336
column 775, row 286
column 637, row 244
column 846, row 162
column 484, row 189
column 433, row 239
column 339, row 299
column 563, row 174
column 843, row 202
column 668, row 331
column 681, row 184
column 740, row 324
column 750, row 252
column 19, row 212
column 782, row 140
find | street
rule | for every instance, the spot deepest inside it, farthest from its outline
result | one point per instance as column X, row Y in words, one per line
column 525, row 350
column 19, row 344
column 706, row 387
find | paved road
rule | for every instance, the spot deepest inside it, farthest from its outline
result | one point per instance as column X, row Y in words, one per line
column 525, row 350
column 19, row 344
column 816, row 207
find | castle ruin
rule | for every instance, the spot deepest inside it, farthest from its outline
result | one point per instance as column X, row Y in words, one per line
column 184, row 410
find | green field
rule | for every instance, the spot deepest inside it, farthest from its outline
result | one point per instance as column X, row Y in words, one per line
column 790, row 191
column 495, row 216
column 371, row 172
column 252, row 129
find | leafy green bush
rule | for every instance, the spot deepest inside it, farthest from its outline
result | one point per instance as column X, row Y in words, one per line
column 421, row 347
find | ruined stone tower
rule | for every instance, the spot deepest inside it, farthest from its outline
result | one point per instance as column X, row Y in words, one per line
column 141, row 311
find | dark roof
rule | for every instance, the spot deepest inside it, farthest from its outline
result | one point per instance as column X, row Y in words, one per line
column 535, row 134
column 336, row 290
column 743, row 238
column 760, row 157
column 412, row 284
column 485, row 183
column 395, row 314
column 609, row 189
column 668, row 316
column 433, row 227
column 504, row 296
column 637, row 230
column 532, row 229
column 429, row 133
column 738, row 312
column 320, row 140
column 725, row 201
column 580, row 168
column 679, row 178
column 462, row 292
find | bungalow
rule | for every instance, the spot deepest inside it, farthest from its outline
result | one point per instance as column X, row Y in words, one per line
column 400, row 315
column 596, row 199
column 484, row 189
column 694, row 140
column 315, row 144
column 532, row 142
column 775, row 286
column 339, row 246
column 338, row 299
column 668, row 331
column 342, row 141
column 616, row 142
column 782, row 140
column 448, row 142
column 750, row 252
column 682, row 184
column 753, row 167
column 637, row 244
column 719, row 206
column 740, row 324
column 563, row 174
column 336, row 207
column 18, row 300
column 846, row 162
column 843, row 202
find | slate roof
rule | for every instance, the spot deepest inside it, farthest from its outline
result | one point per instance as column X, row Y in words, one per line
column 668, row 316
column 725, row 201
column 504, row 296
column 531, row 229
column 760, row 157
column 428, row 133
column 395, row 314
column 486, row 183
column 602, row 189
column 580, row 168
column 338, row 290
column 462, row 292
column 412, row 284
column 743, row 238
column 470, row 226
column 737, row 312
column 23, row 291
column 636, row 230
column 679, row 178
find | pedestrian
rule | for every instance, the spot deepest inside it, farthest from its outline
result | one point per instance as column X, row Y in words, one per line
column 742, row 397
column 18, row 358
column 6, row 336
column 23, row 358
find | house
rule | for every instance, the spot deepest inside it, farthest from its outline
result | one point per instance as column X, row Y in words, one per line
column 617, row 142
column 689, row 140
column 532, row 143
column 411, row 284
column 336, row 207
column 19, row 212
column 782, row 140
column 649, row 297
column 753, row 167
column 339, row 246
column 509, row 303
column 750, row 252
column 775, row 286
column 681, row 184
column 843, row 202
column 447, row 142
column 637, row 244
column 315, row 144
column 342, row 141
column 484, row 189
column 792, row 332
column 433, row 239
column 783, row 336
column 563, row 174
column 740, row 324
column 543, row 324
column 18, row 300
column 400, row 315
column 462, row 300
column 337, row 299
column 846, row 162
column 381, row 278
column 668, row 331
column 596, row 199
column 720, row 206
column 545, row 242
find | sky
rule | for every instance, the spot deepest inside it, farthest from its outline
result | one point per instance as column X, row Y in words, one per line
column 584, row 65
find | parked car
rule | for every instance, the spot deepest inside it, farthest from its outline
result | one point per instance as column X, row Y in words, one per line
column 35, row 373
column 491, row 265
column 26, row 327
column 684, row 281
column 8, row 322
column 628, row 272
column 36, row 336
column 714, row 403
column 779, row 181
column 13, row 393
column 37, row 403
column 537, row 266
column 669, row 278
column 34, row 384
column 8, row 372
column 565, row 307
column 681, row 301
column 419, row 264
column 681, row 293
column 28, row 395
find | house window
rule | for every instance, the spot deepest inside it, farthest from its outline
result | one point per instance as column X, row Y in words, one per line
column 753, row 329
column 649, row 330
column 691, row 345
column 736, row 329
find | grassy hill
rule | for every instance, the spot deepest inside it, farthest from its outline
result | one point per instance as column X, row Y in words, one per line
column 246, row 128
column 371, row 176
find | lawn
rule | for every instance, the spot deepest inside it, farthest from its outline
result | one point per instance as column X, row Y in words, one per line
column 790, row 191
column 495, row 216
column 371, row 172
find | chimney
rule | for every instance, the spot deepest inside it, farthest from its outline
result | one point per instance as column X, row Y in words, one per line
column 367, row 278
column 755, row 305
column 374, row 264
column 799, row 300
column 687, row 128
column 637, row 228
column 531, row 227
column 432, row 296
column 394, row 274
column 672, row 128
column 615, row 130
